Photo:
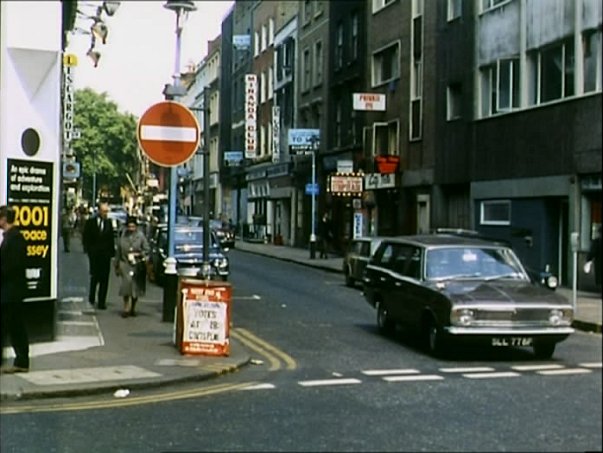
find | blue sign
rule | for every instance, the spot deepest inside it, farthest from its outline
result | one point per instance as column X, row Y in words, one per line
column 311, row 189
column 304, row 137
column 233, row 157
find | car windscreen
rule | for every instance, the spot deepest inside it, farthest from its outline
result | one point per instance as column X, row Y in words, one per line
column 191, row 238
column 473, row 262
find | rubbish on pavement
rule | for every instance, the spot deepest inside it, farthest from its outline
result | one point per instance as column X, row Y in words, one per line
column 121, row 393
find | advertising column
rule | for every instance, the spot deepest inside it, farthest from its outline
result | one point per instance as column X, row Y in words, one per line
column 30, row 131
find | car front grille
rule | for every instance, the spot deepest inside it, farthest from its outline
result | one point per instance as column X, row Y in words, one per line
column 517, row 317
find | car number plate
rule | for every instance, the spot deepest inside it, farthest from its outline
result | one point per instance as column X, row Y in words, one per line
column 512, row 341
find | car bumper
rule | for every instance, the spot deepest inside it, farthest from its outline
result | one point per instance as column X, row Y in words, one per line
column 508, row 331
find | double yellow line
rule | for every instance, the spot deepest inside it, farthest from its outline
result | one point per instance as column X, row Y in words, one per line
column 270, row 352
column 130, row 401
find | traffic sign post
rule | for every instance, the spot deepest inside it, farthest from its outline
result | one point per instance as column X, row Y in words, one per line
column 168, row 133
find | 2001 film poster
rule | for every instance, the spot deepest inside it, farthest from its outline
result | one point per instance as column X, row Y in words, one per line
column 30, row 193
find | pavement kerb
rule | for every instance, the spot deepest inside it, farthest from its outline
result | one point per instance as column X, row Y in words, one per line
column 586, row 326
column 100, row 388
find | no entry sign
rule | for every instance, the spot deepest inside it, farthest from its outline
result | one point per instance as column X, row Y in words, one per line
column 168, row 133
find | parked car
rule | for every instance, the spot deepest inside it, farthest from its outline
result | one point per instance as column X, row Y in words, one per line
column 188, row 245
column 357, row 256
column 224, row 232
column 448, row 289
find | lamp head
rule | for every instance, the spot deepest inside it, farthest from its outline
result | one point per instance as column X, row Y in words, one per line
column 100, row 30
column 94, row 56
column 110, row 6
column 180, row 5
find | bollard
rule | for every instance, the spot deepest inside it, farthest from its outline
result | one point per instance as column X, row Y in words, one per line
column 170, row 290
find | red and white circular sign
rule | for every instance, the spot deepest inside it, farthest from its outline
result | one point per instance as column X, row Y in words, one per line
column 168, row 133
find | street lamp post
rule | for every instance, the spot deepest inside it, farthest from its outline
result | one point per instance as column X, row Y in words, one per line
column 314, row 143
column 180, row 7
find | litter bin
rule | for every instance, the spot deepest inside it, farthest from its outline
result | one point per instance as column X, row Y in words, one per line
column 203, row 317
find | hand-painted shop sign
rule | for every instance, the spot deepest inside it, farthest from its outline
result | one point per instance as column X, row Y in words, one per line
column 373, row 181
column 251, row 104
column 345, row 184
column 30, row 193
column 369, row 101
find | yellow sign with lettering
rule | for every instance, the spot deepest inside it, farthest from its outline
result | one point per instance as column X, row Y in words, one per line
column 69, row 60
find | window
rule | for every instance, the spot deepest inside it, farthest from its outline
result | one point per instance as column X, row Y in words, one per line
column 339, row 46
column 386, row 64
column 338, row 115
column 307, row 11
column 489, row 4
column 355, row 30
column 256, row 44
column 264, row 38
column 453, row 101
column 495, row 212
column 319, row 8
column 263, row 86
column 416, row 117
column 318, row 63
column 270, row 31
column 455, row 9
column 385, row 138
column 552, row 70
column 270, row 83
column 263, row 140
column 378, row 5
column 307, row 68
column 500, row 87
column 591, row 42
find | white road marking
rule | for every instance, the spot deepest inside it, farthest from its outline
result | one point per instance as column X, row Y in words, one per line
column 564, row 371
column 77, row 323
column 168, row 133
column 252, row 297
column 590, row 364
column 318, row 382
column 537, row 367
column 475, row 369
column 265, row 386
column 502, row 374
column 420, row 377
column 386, row 372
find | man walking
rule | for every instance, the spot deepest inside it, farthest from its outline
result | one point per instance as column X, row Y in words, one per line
column 99, row 245
column 13, row 287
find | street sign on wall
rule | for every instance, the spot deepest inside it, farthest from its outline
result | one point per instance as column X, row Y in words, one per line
column 303, row 140
column 168, row 133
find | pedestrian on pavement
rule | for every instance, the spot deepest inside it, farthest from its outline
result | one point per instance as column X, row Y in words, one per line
column 66, row 227
column 130, row 265
column 13, row 286
column 99, row 245
column 325, row 235
column 594, row 256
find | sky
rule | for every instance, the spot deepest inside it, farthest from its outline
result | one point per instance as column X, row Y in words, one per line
column 139, row 56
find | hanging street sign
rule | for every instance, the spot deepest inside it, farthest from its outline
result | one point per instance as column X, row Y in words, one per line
column 168, row 133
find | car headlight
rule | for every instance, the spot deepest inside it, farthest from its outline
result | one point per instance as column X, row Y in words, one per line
column 551, row 282
column 559, row 317
column 462, row 317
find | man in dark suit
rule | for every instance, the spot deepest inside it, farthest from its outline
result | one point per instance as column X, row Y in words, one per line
column 99, row 245
column 13, row 290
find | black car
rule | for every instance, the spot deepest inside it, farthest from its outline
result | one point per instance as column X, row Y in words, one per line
column 224, row 232
column 357, row 257
column 188, row 245
column 447, row 288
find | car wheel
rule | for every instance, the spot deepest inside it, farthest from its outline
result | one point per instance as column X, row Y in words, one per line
column 544, row 350
column 384, row 323
column 434, row 339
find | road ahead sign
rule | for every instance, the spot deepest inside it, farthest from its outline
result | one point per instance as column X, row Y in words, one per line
column 168, row 133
